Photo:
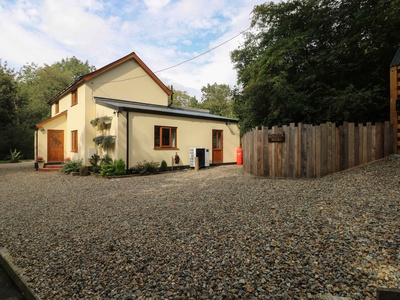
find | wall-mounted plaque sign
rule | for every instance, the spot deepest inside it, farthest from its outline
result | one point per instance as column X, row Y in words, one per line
column 276, row 137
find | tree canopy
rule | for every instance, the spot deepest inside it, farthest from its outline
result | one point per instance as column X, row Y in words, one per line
column 24, row 97
column 214, row 97
column 315, row 61
column 183, row 99
column 217, row 99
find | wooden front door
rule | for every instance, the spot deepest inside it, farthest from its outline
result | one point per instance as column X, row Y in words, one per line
column 217, row 145
column 55, row 145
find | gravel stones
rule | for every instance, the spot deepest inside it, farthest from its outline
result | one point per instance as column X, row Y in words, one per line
column 212, row 234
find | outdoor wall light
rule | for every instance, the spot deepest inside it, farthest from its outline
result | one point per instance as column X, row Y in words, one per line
column 116, row 113
column 42, row 130
column 228, row 123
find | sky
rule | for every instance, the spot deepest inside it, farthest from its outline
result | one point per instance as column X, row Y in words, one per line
column 163, row 33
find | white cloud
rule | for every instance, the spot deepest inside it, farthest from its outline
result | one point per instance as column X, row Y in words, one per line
column 162, row 32
column 156, row 5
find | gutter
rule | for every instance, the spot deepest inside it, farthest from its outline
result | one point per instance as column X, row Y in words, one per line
column 127, row 141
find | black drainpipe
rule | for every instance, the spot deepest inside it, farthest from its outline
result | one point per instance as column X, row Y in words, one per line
column 35, row 154
column 127, row 141
column 37, row 143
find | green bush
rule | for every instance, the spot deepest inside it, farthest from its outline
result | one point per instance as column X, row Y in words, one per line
column 95, row 162
column 15, row 156
column 106, row 160
column 120, row 168
column 72, row 166
column 107, row 169
column 163, row 166
column 117, row 167
column 145, row 168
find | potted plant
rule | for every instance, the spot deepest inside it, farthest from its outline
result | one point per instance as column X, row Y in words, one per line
column 107, row 120
column 108, row 141
column 40, row 162
column 98, row 140
column 94, row 122
column 101, row 123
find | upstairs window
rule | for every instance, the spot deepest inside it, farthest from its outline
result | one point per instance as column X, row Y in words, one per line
column 57, row 107
column 74, row 97
column 165, row 137
column 74, row 141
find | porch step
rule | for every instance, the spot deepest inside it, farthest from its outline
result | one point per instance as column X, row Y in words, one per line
column 51, row 168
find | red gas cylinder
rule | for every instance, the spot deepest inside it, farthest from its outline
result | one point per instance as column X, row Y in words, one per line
column 239, row 156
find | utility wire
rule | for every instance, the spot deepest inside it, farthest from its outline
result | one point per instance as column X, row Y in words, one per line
column 185, row 61
column 201, row 54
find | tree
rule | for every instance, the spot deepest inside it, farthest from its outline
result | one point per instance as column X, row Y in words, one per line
column 11, row 104
column 217, row 99
column 74, row 67
column 24, row 98
column 183, row 99
column 41, row 84
column 315, row 61
column 8, row 95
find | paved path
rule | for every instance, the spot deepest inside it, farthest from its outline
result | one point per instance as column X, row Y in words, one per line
column 8, row 290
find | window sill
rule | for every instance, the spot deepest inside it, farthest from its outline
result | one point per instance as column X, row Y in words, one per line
column 165, row 148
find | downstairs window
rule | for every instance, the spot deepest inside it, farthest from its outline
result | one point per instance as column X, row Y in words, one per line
column 165, row 137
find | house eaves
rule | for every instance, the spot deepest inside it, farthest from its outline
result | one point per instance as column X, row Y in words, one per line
column 123, row 105
column 82, row 79
column 64, row 113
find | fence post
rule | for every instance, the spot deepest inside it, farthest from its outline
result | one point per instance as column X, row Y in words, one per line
column 317, row 151
column 350, row 142
column 292, row 150
column 388, row 141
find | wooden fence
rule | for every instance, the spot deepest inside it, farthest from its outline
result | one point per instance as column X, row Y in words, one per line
column 307, row 151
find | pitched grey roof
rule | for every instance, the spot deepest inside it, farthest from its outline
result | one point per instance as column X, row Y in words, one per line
column 123, row 105
column 396, row 59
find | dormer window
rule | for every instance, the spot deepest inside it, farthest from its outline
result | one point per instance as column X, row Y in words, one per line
column 74, row 97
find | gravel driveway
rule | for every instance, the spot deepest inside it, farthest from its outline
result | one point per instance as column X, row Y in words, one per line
column 212, row 234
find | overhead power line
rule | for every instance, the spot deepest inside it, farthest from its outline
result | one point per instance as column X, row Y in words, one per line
column 201, row 54
column 185, row 61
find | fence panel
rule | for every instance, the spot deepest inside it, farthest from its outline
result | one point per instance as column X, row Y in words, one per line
column 314, row 150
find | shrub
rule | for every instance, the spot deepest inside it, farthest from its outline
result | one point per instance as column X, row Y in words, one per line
column 15, row 156
column 145, row 168
column 107, row 169
column 120, row 168
column 105, row 160
column 113, row 168
column 163, row 166
column 72, row 166
column 95, row 162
